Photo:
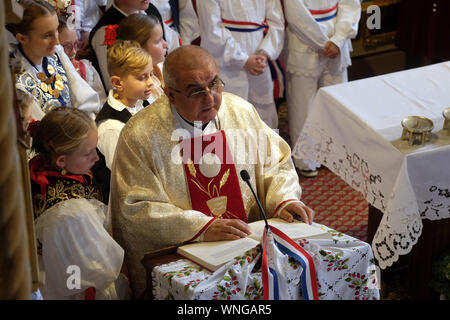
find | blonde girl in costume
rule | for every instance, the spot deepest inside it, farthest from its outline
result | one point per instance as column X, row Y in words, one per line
column 79, row 257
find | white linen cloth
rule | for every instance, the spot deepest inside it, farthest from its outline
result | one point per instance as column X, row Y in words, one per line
column 94, row 80
column 355, row 128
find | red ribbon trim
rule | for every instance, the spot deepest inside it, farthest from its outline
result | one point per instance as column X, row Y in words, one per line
column 281, row 204
column 202, row 230
column 324, row 11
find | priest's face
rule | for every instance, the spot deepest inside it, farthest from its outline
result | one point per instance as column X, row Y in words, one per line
column 198, row 93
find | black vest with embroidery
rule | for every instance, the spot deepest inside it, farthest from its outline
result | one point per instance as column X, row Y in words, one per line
column 49, row 187
column 62, row 188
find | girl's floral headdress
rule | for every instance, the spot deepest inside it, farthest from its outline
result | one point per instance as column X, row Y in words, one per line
column 62, row 7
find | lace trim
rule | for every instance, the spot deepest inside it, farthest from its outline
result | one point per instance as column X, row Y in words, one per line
column 401, row 225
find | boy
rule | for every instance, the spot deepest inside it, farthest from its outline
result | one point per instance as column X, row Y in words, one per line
column 131, row 71
column 318, row 54
column 242, row 36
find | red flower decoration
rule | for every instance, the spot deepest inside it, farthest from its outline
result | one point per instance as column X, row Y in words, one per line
column 111, row 34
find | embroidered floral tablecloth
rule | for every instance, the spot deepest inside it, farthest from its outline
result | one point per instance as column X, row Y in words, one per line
column 344, row 266
column 354, row 129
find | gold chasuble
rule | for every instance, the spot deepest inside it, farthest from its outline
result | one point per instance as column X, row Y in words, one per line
column 159, row 200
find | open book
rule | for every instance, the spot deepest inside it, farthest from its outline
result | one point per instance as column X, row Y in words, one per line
column 213, row 255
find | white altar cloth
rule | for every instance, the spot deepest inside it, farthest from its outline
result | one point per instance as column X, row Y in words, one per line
column 354, row 129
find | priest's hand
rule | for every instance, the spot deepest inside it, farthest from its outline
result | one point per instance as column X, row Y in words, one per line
column 297, row 209
column 226, row 229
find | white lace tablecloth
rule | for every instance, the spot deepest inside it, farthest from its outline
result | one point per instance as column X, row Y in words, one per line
column 354, row 129
column 344, row 265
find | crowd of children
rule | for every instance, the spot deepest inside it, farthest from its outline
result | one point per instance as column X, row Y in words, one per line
column 89, row 67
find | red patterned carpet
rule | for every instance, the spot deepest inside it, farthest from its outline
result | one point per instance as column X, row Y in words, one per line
column 336, row 204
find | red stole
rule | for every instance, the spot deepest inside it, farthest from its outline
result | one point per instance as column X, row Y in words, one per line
column 211, row 176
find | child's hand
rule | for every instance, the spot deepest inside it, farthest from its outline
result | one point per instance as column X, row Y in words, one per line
column 255, row 65
column 331, row 50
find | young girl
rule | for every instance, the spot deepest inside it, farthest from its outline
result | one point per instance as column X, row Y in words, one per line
column 40, row 66
column 80, row 259
column 147, row 31
column 68, row 39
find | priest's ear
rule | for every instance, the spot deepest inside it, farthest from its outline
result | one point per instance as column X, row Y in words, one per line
column 116, row 83
column 169, row 93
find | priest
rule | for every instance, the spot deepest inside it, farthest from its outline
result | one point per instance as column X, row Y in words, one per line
column 175, row 176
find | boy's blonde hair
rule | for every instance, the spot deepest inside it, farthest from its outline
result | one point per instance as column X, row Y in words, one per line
column 126, row 57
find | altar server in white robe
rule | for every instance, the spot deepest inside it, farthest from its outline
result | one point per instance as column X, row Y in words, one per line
column 242, row 35
column 319, row 34
column 169, row 11
column 163, row 194
column 189, row 28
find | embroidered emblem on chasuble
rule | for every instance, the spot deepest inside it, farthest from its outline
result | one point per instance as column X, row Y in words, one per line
column 211, row 176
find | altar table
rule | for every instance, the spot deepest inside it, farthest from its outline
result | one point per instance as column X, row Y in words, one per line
column 355, row 130
column 344, row 265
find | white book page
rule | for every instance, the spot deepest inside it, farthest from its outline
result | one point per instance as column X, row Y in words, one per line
column 294, row 230
column 217, row 252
